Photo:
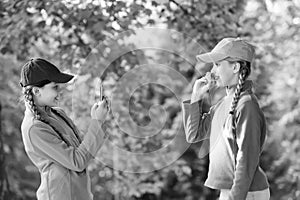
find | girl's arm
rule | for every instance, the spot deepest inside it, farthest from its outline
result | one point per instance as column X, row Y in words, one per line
column 196, row 123
column 250, row 130
column 46, row 142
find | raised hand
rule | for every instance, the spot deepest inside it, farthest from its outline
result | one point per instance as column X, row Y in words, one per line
column 201, row 86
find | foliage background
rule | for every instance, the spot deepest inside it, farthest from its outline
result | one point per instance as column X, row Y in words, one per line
column 66, row 32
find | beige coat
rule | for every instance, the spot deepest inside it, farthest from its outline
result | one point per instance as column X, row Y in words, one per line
column 61, row 157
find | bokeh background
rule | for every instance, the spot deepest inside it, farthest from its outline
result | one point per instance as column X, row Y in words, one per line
column 104, row 40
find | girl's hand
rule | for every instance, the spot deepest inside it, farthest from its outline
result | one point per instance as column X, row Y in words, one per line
column 201, row 86
column 99, row 110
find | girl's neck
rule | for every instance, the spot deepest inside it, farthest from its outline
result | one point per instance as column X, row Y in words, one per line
column 230, row 89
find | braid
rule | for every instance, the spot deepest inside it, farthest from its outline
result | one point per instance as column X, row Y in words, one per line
column 27, row 91
column 243, row 74
column 237, row 92
column 28, row 97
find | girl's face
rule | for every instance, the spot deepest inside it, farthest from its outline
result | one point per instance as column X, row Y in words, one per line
column 226, row 73
column 48, row 95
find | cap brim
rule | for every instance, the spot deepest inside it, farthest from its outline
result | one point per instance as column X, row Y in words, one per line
column 62, row 78
column 210, row 57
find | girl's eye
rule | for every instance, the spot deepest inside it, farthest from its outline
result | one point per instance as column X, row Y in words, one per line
column 56, row 87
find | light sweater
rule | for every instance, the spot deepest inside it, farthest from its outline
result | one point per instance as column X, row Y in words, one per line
column 234, row 164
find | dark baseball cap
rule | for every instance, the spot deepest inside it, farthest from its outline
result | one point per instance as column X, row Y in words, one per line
column 39, row 71
column 235, row 48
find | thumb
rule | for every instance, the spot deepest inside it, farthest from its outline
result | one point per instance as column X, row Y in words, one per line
column 94, row 106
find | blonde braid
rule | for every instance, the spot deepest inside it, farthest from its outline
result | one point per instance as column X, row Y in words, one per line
column 27, row 91
column 243, row 74
column 238, row 91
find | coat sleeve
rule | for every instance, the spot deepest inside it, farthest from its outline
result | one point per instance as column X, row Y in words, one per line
column 250, row 127
column 46, row 141
column 196, row 124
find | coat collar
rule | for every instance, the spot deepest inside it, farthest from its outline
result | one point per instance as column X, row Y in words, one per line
column 72, row 139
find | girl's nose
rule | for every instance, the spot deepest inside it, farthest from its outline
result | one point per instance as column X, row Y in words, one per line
column 214, row 69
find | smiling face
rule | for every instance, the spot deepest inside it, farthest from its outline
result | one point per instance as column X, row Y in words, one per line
column 48, row 95
column 226, row 73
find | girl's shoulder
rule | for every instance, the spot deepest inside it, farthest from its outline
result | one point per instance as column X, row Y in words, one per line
column 248, row 103
column 31, row 127
column 29, row 122
column 247, row 98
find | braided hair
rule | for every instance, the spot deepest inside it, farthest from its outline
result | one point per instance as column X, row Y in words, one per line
column 28, row 98
column 244, row 72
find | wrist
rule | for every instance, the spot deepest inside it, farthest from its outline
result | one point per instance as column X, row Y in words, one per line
column 196, row 97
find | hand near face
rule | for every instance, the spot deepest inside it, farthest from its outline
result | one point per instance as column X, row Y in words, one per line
column 202, row 86
column 99, row 110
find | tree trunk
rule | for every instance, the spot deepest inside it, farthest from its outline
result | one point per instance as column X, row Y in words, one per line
column 4, row 186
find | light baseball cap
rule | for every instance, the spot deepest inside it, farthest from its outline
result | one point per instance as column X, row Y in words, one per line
column 39, row 71
column 234, row 48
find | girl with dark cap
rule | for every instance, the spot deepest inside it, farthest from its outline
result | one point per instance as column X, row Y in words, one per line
column 51, row 139
column 235, row 126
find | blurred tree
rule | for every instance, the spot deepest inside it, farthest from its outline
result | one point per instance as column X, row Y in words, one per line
column 5, row 191
column 67, row 32
column 92, row 38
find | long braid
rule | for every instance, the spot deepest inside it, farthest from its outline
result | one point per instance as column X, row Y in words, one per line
column 28, row 97
column 245, row 70
column 243, row 74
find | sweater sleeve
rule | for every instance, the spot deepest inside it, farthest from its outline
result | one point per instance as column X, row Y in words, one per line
column 46, row 141
column 250, row 125
column 196, row 124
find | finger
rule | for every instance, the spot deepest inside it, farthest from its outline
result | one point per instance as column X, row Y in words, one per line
column 201, row 81
column 101, row 103
column 94, row 106
column 107, row 101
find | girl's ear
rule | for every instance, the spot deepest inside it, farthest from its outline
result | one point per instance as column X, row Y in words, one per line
column 236, row 67
column 36, row 91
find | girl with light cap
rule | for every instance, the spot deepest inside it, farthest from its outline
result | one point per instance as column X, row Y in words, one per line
column 51, row 139
column 235, row 126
